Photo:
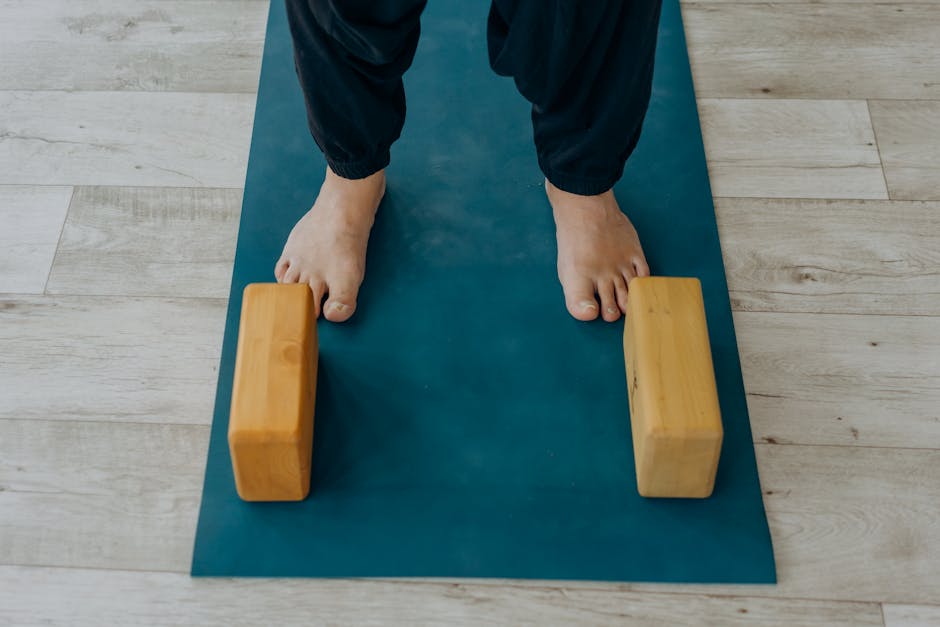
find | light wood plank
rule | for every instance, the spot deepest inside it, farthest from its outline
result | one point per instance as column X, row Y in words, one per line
column 831, row 256
column 791, row 149
column 912, row 615
column 98, row 494
column 32, row 596
column 909, row 140
column 848, row 523
column 814, row 50
column 113, row 359
column 30, row 223
column 842, row 379
column 178, row 45
column 148, row 241
column 124, row 138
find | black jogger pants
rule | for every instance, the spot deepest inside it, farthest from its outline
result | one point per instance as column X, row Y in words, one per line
column 585, row 65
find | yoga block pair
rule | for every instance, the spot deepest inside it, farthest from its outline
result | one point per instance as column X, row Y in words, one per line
column 674, row 411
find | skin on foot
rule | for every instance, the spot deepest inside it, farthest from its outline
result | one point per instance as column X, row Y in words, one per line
column 327, row 247
column 599, row 253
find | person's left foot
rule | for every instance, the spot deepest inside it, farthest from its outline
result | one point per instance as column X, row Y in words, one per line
column 599, row 253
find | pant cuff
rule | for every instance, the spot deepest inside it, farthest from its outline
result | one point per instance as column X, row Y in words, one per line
column 580, row 185
column 362, row 168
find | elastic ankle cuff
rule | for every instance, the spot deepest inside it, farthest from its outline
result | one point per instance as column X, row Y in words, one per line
column 360, row 169
column 580, row 185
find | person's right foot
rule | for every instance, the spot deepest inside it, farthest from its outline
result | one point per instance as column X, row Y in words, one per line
column 599, row 253
column 327, row 247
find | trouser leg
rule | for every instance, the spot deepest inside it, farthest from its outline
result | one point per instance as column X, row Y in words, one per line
column 350, row 56
column 587, row 67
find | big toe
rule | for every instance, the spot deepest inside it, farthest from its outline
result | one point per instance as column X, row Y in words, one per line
column 281, row 269
column 579, row 298
column 641, row 266
column 341, row 303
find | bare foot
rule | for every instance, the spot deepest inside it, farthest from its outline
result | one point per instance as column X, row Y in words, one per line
column 598, row 253
column 327, row 247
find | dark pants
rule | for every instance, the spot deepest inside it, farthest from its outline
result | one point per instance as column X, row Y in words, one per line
column 585, row 65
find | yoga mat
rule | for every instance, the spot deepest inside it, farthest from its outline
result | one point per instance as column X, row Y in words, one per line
column 466, row 425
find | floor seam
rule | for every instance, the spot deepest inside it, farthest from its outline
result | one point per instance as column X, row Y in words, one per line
column 874, row 133
column 58, row 243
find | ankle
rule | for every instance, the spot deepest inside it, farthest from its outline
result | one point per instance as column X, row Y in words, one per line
column 566, row 203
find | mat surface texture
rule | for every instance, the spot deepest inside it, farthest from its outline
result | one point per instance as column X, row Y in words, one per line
column 466, row 425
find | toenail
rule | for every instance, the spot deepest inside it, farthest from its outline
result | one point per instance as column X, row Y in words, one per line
column 611, row 310
column 338, row 306
column 586, row 304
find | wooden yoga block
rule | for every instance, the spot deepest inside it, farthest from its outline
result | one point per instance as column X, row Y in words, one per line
column 674, row 413
column 270, row 432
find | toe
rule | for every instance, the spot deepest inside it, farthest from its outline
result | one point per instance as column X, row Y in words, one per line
column 318, row 287
column 281, row 268
column 610, row 311
column 579, row 298
column 342, row 302
column 629, row 273
column 620, row 288
column 291, row 275
column 640, row 267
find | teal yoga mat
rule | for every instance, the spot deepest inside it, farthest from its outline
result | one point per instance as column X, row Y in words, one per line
column 466, row 426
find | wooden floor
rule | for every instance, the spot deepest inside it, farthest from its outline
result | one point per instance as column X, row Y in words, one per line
column 124, row 133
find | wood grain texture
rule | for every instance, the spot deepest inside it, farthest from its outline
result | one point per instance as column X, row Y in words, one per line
column 92, row 598
column 111, row 359
column 817, row 50
column 99, row 495
column 148, row 241
column 177, row 45
column 124, row 138
column 270, row 429
column 674, row 413
column 909, row 141
column 858, row 523
column 831, row 256
column 791, row 149
column 912, row 615
column 842, row 379
column 848, row 523
column 30, row 223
